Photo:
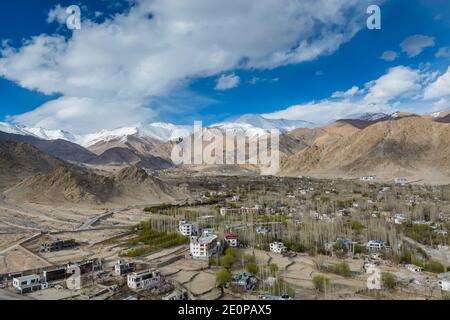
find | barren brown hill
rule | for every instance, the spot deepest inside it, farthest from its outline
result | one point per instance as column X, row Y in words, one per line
column 64, row 184
column 72, row 184
column 411, row 146
column 61, row 149
column 141, row 145
column 20, row 160
column 136, row 185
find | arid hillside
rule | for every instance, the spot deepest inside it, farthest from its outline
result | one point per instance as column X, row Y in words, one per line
column 411, row 146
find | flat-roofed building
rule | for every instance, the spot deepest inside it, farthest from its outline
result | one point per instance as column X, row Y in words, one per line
column 186, row 228
column 122, row 267
column 204, row 246
column 148, row 279
column 58, row 245
column 27, row 284
column 231, row 239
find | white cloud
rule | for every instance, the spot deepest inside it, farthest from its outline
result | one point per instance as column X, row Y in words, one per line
column 443, row 52
column 347, row 94
column 389, row 55
column 398, row 82
column 57, row 14
column 255, row 80
column 226, row 82
column 414, row 45
column 381, row 95
column 131, row 57
column 80, row 115
column 440, row 88
column 327, row 110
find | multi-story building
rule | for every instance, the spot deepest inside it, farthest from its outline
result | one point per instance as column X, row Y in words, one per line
column 27, row 284
column 122, row 268
column 204, row 246
column 231, row 239
column 186, row 228
column 146, row 280
column 58, row 245
column 376, row 245
column 243, row 210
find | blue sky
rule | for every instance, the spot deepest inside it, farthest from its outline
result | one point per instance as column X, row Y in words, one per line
column 40, row 82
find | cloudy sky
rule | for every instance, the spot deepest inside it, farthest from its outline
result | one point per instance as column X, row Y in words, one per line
column 212, row 60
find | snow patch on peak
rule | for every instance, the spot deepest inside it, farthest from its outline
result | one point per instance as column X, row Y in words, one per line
column 368, row 116
column 284, row 125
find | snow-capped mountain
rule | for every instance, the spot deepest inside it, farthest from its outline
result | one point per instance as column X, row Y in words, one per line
column 368, row 116
column 251, row 124
column 52, row 134
column 37, row 132
column 283, row 125
column 159, row 131
column 236, row 128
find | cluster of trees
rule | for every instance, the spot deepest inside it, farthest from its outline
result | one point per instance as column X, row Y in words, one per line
column 150, row 240
column 234, row 258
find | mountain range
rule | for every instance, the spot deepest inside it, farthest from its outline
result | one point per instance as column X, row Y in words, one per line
column 399, row 144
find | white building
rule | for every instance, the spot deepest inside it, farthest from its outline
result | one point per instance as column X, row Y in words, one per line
column 204, row 246
column 122, row 268
column 244, row 210
column 375, row 245
column 27, row 284
column 231, row 239
column 399, row 218
column 186, row 228
column 368, row 178
column 148, row 279
column 278, row 247
column 400, row 181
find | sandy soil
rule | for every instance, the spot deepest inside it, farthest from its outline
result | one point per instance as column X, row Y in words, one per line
column 18, row 259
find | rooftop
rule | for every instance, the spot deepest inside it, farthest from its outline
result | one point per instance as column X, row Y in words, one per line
column 204, row 239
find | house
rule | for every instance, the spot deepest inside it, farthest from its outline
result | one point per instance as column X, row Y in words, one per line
column 146, row 280
column 441, row 232
column 400, row 181
column 376, row 245
column 243, row 210
column 27, row 284
column 54, row 274
column 57, row 245
column 186, row 228
column 245, row 281
column 345, row 242
column 122, row 268
column 413, row 268
column 204, row 246
column 399, row 218
column 343, row 213
column 278, row 247
column 231, row 239
column 368, row 178
column 444, row 281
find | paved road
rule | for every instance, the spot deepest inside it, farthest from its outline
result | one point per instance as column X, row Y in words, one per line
column 92, row 221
